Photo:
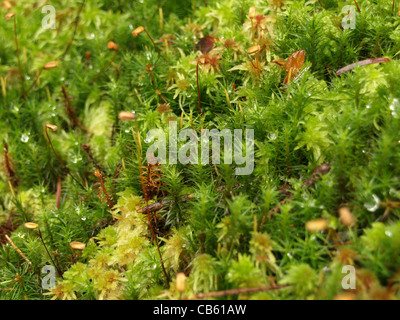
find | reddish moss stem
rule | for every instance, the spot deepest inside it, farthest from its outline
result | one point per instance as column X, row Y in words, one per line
column 48, row 253
column 147, row 202
column 155, row 47
column 358, row 8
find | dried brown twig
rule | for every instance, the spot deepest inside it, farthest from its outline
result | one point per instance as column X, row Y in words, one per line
column 362, row 63
column 237, row 291
column 17, row 249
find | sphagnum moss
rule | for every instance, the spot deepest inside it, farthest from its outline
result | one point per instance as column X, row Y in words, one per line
column 324, row 194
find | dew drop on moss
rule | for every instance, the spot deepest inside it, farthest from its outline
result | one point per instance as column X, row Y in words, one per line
column 24, row 138
column 395, row 108
column 272, row 136
column 373, row 204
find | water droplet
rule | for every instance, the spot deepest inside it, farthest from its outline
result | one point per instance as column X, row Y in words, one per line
column 389, row 233
column 83, row 218
column 28, row 78
column 289, row 254
column 91, row 36
column 272, row 136
column 148, row 140
column 75, row 159
column 395, row 107
column 127, row 131
column 131, row 27
column 24, row 138
column 373, row 204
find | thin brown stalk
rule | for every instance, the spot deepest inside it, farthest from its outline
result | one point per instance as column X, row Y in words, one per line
column 362, row 63
column 158, row 51
column 99, row 175
column 237, row 291
column 358, row 8
column 17, row 249
column 51, row 258
column 116, row 174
